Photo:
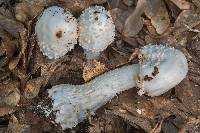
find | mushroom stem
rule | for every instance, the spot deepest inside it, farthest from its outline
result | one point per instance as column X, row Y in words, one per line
column 160, row 69
column 75, row 100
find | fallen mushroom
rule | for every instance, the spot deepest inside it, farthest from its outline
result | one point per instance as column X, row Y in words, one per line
column 56, row 31
column 96, row 30
column 160, row 69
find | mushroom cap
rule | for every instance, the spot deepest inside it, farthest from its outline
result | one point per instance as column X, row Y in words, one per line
column 96, row 29
column 56, row 31
column 163, row 68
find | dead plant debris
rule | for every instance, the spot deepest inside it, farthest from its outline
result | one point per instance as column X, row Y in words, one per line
column 25, row 74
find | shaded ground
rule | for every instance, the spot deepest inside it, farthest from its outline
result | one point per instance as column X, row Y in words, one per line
column 26, row 74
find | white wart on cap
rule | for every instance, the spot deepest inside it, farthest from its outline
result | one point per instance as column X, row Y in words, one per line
column 96, row 30
column 56, row 31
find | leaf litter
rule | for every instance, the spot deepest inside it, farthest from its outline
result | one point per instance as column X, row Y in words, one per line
column 25, row 74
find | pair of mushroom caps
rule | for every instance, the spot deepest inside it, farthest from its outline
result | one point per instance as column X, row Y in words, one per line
column 58, row 31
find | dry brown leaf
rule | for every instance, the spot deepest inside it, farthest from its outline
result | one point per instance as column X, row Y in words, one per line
column 192, row 126
column 188, row 92
column 32, row 87
column 14, row 126
column 6, row 110
column 93, row 69
column 132, row 120
column 8, row 48
column 157, row 128
column 32, row 45
column 26, row 11
column 173, row 9
column 113, row 3
column 4, row 75
column 163, row 107
column 182, row 4
column 129, row 2
column 160, row 20
column 152, row 7
column 6, row 10
column 9, row 94
column 119, row 17
column 24, row 45
column 3, row 61
column 131, row 41
column 11, row 26
column 14, row 62
column 186, row 20
column 197, row 3
column 79, row 5
column 39, row 2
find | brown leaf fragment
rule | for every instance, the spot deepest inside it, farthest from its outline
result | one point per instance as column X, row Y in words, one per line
column 129, row 2
column 39, row 2
column 21, row 74
column 6, row 110
column 9, row 47
column 157, row 128
column 7, row 50
column 119, row 17
column 6, row 10
column 24, row 45
column 151, row 29
column 196, row 2
column 32, row 44
column 131, row 41
column 113, row 3
column 195, row 43
column 4, row 75
column 79, row 5
column 32, row 87
column 192, row 126
column 188, row 92
column 132, row 120
column 27, row 10
column 14, row 62
column 99, row 1
column 163, row 107
column 152, row 7
column 174, row 10
column 93, row 69
column 11, row 26
column 182, row 4
column 14, row 126
column 161, row 19
column 134, row 22
column 186, row 20
column 9, row 94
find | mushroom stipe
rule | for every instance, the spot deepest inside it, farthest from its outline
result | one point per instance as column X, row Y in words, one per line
column 166, row 66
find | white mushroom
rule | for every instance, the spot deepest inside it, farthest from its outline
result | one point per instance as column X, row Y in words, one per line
column 161, row 69
column 96, row 30
column 56, row 31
